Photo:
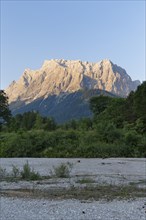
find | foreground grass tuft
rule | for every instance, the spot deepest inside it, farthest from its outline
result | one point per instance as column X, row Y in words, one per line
column 85, row 180
column 62, row 171
column 3, row 173
column 29, row 174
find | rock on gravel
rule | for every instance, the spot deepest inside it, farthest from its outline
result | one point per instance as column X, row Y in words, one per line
column 32, row 209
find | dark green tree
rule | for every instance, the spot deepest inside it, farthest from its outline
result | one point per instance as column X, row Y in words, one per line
column 15, row 123
column 85, row 124
column 140, row 101
column 99, row 103
column 128, row 112
column 28, row 120
column 49, row 124
column 5, row 113
column 115, row 112
column 38, row 122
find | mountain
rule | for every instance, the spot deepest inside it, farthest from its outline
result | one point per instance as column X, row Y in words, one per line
column 62, row 107
column 59, row 85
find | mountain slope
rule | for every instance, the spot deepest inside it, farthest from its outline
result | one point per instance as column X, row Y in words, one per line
column 56, row 76
column 62, row 107
column 62, row 79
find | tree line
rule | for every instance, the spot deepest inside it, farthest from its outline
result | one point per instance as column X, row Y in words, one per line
column 117, row 129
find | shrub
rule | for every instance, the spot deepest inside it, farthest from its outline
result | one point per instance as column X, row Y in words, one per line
column 132, row 138
column 63, row 170
column 29, row 174
column 15, row 171
column 3, row 173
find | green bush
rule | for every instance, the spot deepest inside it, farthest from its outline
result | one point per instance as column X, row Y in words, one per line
column 28, row 174
column 63, row 170
column 132, row 138
column 3, row 173
column 105, row 140
column 15, row 171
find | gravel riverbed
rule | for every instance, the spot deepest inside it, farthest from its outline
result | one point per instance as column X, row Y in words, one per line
column 114, row 171
column 110, row 170
column 31, row 209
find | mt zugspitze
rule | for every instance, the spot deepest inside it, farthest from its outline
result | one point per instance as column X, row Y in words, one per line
column 57, row 76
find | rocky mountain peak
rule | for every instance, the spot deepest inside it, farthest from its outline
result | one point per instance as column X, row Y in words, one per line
column 59, row 75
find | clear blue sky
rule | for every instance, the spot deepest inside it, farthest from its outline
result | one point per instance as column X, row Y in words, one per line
column 33, row 31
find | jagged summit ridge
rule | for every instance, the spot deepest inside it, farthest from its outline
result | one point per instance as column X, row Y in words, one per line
column 59, row 75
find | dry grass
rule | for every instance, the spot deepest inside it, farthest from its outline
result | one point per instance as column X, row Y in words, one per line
column 107, row 192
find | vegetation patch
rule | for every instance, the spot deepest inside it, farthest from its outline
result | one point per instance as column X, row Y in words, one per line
column 3, row 173
column 107, row 192
column 27, row 173
column 85, row 180
column 117, row 129
column 62, row 171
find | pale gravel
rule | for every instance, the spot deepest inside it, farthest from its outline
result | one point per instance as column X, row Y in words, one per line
column 123, row 166
column 112, row 170
column 32, row 209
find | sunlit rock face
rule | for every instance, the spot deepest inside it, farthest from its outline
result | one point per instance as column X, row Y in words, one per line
column 57, row 76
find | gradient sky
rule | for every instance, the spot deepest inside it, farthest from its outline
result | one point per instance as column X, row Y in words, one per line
column 33, row 31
